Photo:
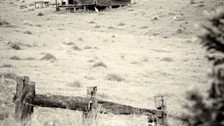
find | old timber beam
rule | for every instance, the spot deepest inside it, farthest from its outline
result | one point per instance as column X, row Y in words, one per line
column 119, row 109
column 81, row 104
column 65, row 102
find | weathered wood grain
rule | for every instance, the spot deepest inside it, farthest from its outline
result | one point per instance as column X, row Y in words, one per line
column 25, row 93
column 65, row 102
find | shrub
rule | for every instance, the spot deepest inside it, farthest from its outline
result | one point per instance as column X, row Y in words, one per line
column 210, row 111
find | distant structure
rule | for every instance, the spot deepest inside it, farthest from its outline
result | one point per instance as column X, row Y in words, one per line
column 74, row 4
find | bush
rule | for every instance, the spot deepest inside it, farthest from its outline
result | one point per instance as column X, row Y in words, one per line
column 210, row 111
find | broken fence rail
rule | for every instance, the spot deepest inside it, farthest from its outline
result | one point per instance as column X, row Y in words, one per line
column 26, row 99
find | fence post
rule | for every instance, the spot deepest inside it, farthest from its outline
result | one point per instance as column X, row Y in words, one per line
column 160, row 104
column 89, row 116
column 151, row 120
column 25, row 93
column 57, row 8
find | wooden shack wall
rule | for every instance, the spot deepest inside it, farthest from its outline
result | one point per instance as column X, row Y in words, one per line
column 112, row 2
column 84, row 2
column 102, row 2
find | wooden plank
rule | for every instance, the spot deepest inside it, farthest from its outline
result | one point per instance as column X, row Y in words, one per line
column 25, row 92
column 81, row 104
column 65, row 102
column 119, row 109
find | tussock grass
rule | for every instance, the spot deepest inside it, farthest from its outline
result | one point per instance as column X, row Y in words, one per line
column 4, row 23
column 48, row 56
column 99, row 64
column 6, row 66
column 167, row 59
column 92, row 22
column 27, row 32
column 13, row 45
column 76, row 84
column 75, row 47
column 15, row 58
column 29, row 58
column 121, row 24
column 114, row 77
column 8, row 75
column 40, row 14
column 97, row 26
column 68, row 43
column 80, row 39
column 143, row 27
column 87, row 47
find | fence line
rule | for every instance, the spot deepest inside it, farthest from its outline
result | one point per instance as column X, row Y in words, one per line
column 26, row 99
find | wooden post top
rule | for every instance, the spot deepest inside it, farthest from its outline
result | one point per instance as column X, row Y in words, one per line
column 160, row 102
column 91, row 91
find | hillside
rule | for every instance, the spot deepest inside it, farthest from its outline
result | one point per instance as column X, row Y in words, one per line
column 131, row 53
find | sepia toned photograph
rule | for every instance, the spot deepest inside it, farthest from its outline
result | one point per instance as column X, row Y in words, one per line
column 111, row 63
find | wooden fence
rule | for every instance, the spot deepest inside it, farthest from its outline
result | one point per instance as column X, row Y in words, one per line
column 26, row 99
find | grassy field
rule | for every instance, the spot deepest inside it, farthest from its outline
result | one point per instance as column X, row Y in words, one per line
column 131, row 54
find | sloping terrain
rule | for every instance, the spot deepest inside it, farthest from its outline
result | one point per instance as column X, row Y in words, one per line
column 132, row 54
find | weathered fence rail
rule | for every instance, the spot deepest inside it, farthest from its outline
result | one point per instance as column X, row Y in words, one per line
column 26, row 99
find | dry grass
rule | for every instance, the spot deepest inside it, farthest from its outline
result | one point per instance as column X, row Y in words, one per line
column 75, row 119
column 87, row 47
column 76, row 84
column 97, row 26
column 114, row 77
column 8, row 75
column 75, row 47
column 40, row 14
column 14, row 45
column 121, row 24
column 4, row 23
column 48, row 56
column 6, row 66
column 167, row 59
column 29, row 58
column 15, row 58
column 99, row 64
column 170, row 68
column 92, row 22
column 68, row 43
column 27, row 32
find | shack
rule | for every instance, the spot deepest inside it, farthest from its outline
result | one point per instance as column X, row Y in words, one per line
column 86, row 3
